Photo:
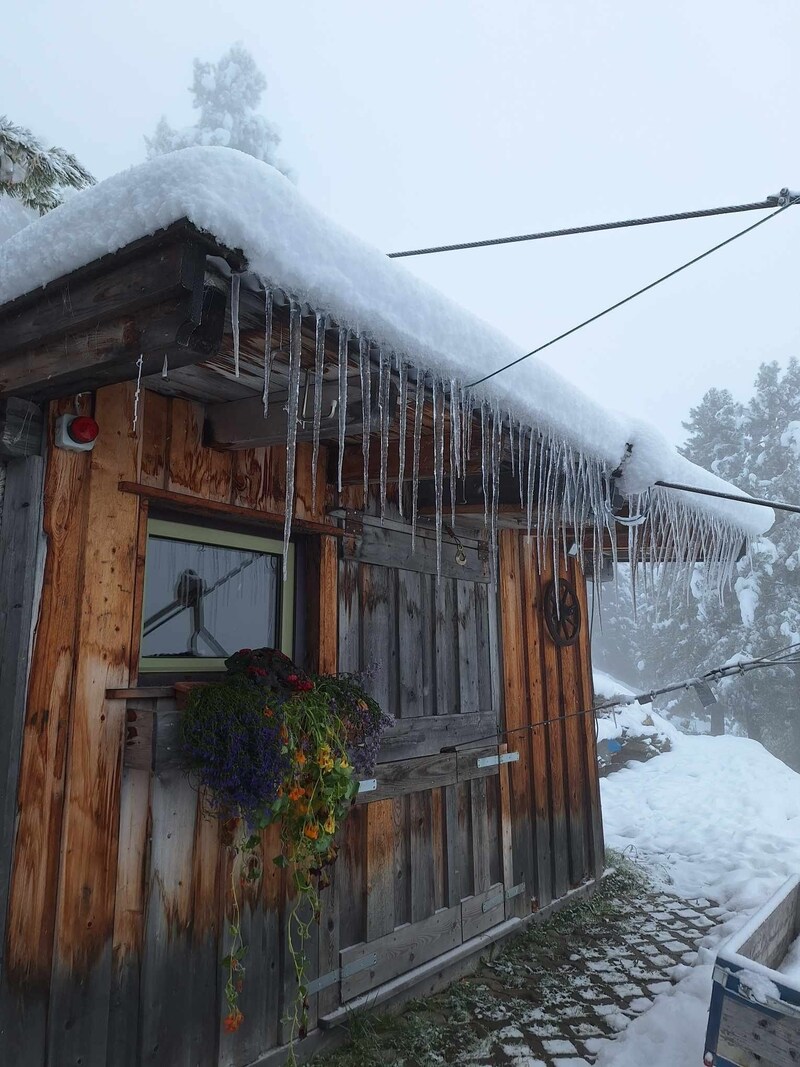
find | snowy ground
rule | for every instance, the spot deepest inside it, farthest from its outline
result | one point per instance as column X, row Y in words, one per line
column 717, row 817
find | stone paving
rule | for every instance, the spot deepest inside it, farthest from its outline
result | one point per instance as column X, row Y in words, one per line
column 552, row 995
column 597, row 991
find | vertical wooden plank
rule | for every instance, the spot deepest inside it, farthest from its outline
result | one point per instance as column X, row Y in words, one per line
column 129, row 910
column 192, row 468
column 155, row 416
column 25, row 977
column 423, row 891
column 554, row 731
column 569, row 664
column 380, row 869
column 438, row 849
column 465, row 850
column 166, row 997
column 22, row 548
column 517, row 905
column 428, row 638
column 79, row 998
column 516, row 701
column 411, row 624
column 402, row 860
column 202, row 1034
column 379, row 652
column 594, row 814
column 487, row 651
column 349, row 616
column 446, row 648
column 467, row 645
column 539, row 746
column 454, row 852
column 480, row 834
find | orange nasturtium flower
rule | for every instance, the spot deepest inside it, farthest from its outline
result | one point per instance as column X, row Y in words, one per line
column 268, row 713
column 296, row 793
column 312, row 831
column 300, row 757
column 233, row 1021
column 284, row 733
column 325, row 759
column 330, row 824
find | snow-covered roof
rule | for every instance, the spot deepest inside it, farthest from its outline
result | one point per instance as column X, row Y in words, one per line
column 246, row 204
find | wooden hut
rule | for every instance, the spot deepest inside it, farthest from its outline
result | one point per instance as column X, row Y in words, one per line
column 266, row 388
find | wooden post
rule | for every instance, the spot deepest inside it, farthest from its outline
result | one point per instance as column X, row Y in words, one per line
column 21, row 563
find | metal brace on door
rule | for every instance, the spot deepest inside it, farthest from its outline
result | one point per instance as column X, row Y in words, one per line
column 495, row 761
column 499, row 898
column 332, row 977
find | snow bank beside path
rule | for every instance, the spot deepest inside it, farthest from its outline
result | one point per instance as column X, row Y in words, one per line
column 716, row 817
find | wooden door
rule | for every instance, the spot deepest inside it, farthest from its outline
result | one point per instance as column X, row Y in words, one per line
column 426, row 863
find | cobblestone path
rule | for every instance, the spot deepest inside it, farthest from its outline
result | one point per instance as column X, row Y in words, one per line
column 552, row 993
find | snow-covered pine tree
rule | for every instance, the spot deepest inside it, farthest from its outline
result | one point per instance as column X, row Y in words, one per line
column 227, row 94
column 35, row 175
column 756, row 446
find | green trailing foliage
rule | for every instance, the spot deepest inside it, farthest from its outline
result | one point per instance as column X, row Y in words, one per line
column 33, row 174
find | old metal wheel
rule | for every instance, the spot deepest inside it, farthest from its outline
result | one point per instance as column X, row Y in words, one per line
column 562, row 613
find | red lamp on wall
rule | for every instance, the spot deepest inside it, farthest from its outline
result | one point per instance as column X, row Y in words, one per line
column 77, row 433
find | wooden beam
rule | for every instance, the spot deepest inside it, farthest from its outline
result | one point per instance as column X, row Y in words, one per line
column 21, row 560
column 353, row 464
column 237, row 424
column 107, row 353
column 158, row 274
column 201, row 506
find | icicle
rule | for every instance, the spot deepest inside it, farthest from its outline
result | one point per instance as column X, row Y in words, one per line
column 236, row 280
column 319, row 367
column 366, row 407
column 438, row 465
column 342, row 369
column 531, row 472
column 497, row 449
column 267, row 348
column 467, row 419
column 384, row 403
column 521, row 466
column 511, row 448
column 401, row 446
column 485, row 463
column 138, row 393
column 165, row 368
column 418, row 409
column 295, row 353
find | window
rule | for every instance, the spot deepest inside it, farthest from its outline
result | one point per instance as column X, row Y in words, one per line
column 208, row 593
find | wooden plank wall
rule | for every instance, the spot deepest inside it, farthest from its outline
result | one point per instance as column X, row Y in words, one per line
column 117, row 889
column 556, row 819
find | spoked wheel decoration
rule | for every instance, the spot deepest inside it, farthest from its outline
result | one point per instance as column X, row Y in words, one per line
column 562, row 613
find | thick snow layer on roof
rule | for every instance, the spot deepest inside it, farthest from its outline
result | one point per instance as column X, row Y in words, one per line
column 248, row 205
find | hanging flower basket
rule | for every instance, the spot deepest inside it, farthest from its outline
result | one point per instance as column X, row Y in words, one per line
column 273, row 744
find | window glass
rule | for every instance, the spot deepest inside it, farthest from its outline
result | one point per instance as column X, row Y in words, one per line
column 208, row 593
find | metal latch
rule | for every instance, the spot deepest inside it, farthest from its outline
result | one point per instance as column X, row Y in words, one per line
column 495, row 761
column 368, row 785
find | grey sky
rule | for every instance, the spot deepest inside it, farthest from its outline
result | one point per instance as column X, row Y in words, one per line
column 428, row 122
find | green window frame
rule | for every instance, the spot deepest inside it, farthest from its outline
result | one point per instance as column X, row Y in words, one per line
column 205, row 535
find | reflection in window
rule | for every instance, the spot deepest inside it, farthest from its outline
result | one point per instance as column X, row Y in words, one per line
column 205, row 601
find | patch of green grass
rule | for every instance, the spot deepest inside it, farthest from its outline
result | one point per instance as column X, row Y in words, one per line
column 532, row 967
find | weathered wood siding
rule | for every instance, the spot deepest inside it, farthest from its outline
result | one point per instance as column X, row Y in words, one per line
column 117, row 902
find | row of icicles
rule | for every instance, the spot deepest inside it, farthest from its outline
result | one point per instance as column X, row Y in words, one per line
column 560, row 489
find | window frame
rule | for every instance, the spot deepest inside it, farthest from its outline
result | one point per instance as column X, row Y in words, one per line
column 179, row 530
